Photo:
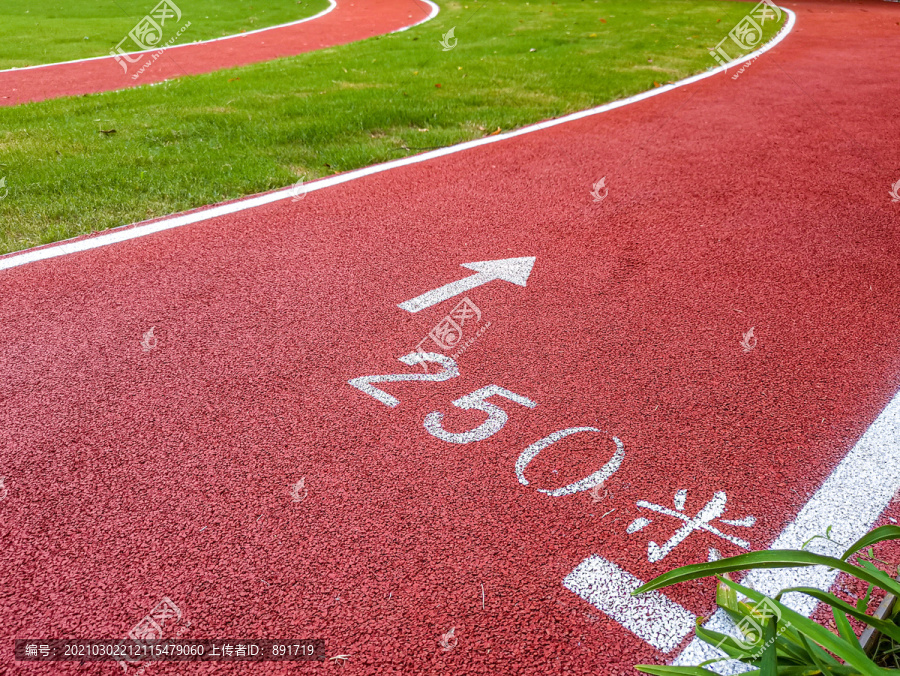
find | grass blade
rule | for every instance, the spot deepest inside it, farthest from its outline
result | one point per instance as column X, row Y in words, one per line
column 791, row 648
column 812, row 653
column 773, row 558
column 883, row 579
column 667, row 670
column 844, row 628
column 880, row 534
column 887, row 628
column 769, row 661
column 725, row 643
column 807, row 628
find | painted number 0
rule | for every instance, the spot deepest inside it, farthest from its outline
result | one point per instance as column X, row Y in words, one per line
column 585, row 484
column 496, row 419
column 477, row 400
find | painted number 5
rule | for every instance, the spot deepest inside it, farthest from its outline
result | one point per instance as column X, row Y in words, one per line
column 476, row 400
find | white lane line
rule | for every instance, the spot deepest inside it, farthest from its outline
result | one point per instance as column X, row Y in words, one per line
column 850, row 501
column 127, row 232
column 434, row 12
column 331, row 5
column 652, row 617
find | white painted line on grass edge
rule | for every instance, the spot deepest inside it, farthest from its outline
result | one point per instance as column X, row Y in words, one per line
column 434, row 9
column 331, row 5
column 434, row 12
column 850, row 501
column 652, row 617
column 134, row 231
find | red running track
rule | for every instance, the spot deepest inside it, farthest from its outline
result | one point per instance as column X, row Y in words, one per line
column 760, row 202
column 347, row 22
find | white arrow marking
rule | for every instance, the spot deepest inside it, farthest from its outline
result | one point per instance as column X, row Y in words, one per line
column 515, row 270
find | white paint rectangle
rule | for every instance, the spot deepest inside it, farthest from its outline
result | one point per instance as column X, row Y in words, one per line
column 651, row 617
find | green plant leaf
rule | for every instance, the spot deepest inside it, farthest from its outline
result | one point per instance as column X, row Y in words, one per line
column 810, row 652
column 883, row 580
column 879, row 534
column 666, row 670
column 839, row 670
column 789, row 642
column 792, row 649
column 819, row 665
column 773, row 558
column 769, row 661
column 843, row 627
column 726, row 597
column 807, row 628
column 725, row 643
column 863, row 603
column 839, row 606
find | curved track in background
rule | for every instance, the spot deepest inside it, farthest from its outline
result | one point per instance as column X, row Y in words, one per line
column 344, row 21
column 142, row 466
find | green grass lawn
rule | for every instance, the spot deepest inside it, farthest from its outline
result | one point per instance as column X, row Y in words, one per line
column 199, row 140
column 49, row 31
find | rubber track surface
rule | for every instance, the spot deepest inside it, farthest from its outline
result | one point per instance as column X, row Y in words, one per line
column 347, row 22
column 133, row 475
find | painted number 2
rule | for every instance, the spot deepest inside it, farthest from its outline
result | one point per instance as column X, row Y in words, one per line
column 496, row 419
column 477, row 400
column 364, row 383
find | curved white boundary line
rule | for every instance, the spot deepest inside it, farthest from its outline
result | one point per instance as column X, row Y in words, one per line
column 127, row 232
column 331, row 5
column 434, row 12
